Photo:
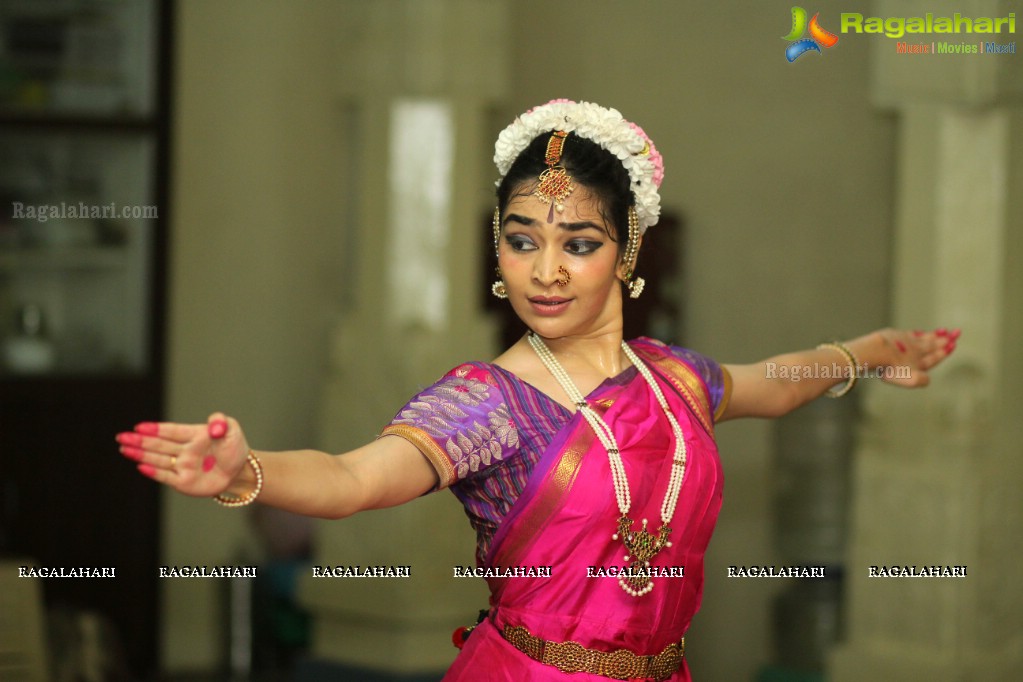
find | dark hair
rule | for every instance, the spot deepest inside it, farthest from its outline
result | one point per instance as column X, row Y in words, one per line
column 589, row 164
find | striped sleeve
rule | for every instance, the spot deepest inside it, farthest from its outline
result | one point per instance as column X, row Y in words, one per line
column 461, row 424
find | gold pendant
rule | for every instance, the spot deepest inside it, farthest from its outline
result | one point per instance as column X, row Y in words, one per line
column 642, row 546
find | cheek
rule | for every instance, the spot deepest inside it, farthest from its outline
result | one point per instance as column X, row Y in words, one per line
column 599, row 270
column 595, row 280
column 512, row 264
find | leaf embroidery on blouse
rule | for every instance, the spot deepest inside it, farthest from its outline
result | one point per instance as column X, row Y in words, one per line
column 443, row 413
column 439, row 413
column 469, row 392
column 503, row 427
column 468, row 449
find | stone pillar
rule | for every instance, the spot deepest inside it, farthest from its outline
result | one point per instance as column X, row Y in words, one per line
column 939, row 473
column 417, row 80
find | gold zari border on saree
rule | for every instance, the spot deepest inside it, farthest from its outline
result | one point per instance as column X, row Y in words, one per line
column 552, row 492
column 688, row 384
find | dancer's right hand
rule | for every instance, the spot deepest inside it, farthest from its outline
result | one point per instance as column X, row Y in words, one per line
column 201, row 460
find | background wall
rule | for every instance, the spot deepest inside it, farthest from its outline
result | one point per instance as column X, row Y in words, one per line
column 258, row 175
column 782, row 172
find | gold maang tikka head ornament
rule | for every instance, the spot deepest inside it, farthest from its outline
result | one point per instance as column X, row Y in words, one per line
column 555, row 184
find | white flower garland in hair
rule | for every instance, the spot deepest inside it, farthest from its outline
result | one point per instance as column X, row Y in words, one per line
column 605, row 127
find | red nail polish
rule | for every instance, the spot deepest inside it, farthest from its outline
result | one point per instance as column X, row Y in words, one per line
column 147, row 428
column 955, row 334
column 950, row 346
column 147, row 470
column 218, row 428
column 208, row 462
column 901, row 346
column 131, row 452
column 941, row 331
column 129, row 438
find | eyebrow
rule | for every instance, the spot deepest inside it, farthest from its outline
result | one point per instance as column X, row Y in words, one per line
column 571, row 227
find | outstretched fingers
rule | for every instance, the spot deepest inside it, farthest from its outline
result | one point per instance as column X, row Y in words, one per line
column 137, row 441
column 169, row 431
column 150, row 454
column 195, row 459
column 919, row 352
column 936, row 346
column 162, row 451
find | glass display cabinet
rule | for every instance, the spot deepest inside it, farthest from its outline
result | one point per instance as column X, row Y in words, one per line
column 79, row 130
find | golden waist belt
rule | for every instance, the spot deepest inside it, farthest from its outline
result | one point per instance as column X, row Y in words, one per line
column 572, row 657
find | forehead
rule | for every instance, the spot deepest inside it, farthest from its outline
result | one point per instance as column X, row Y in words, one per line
column 582, row 205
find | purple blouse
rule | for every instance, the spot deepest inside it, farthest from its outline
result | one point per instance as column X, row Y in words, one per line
column 484, row 429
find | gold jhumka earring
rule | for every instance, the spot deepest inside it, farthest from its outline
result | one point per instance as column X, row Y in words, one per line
column 555, row 183
column 635, row 286
column 498, row 288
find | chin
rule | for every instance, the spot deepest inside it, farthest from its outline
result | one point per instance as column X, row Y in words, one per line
column 553, row 328
column 547, row 328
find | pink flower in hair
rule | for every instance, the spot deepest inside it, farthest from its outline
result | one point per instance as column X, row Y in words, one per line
column 655, row 156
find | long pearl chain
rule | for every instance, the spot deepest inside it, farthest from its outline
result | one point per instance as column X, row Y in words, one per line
column 641, row 543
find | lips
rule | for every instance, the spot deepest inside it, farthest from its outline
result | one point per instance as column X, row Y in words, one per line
column 549, row 305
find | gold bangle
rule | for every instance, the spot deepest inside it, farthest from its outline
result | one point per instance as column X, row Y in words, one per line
column 251, row 497
column 854, row 368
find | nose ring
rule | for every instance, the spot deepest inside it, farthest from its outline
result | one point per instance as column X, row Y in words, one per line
column 565, row 278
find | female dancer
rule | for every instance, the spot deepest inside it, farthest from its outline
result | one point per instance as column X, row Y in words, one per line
column 572, row 449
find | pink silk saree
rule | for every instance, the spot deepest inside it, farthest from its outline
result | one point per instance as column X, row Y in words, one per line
column 567, row 514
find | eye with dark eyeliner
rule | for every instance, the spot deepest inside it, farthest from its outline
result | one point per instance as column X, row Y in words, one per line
column 582, row 247
column 519, row 243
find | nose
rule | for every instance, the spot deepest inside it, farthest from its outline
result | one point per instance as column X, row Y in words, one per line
column 545, row 267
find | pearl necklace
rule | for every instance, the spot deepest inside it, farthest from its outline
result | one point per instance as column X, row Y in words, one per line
column 642, row 545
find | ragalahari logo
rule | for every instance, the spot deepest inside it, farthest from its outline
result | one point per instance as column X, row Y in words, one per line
column 818, row 36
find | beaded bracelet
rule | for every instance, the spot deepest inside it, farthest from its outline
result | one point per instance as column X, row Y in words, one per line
column 854, row 366
column 251, row 497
